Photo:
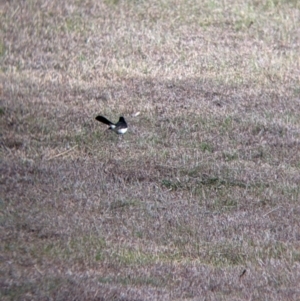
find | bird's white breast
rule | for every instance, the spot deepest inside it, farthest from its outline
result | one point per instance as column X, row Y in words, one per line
column 122, row 131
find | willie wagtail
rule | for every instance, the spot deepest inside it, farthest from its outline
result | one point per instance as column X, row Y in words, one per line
column 120, row 127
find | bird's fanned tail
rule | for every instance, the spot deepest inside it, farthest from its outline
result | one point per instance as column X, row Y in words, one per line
column 104, row 120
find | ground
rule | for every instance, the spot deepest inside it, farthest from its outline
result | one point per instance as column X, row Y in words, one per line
column 199, row 200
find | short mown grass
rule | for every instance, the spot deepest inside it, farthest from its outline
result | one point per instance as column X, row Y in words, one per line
column 200, row 199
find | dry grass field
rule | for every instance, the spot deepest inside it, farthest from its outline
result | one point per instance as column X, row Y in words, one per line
column 199, row 200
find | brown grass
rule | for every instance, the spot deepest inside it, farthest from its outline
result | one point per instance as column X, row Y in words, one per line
column 204, row 186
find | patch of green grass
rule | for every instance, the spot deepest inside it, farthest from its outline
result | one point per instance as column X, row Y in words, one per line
column 89, row 248
column 15, row 292
column 230, row 156
column 223, row 204
column 2, row 49
column 112, row 2
column 227, row 123
column 171, row 184
column 206, row 147
column 296, row 91
column 134, row 257
column 122, row 204
column 290, row 192
column 226, row 255
column 275, row 250
column 136, row 281
column 99, row 256
column 244, row 23
column 74, row 24
column 296, row 256
column 106, row 280
column 39, row 288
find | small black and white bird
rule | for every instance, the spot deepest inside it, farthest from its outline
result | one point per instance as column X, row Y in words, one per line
column 120, row 127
